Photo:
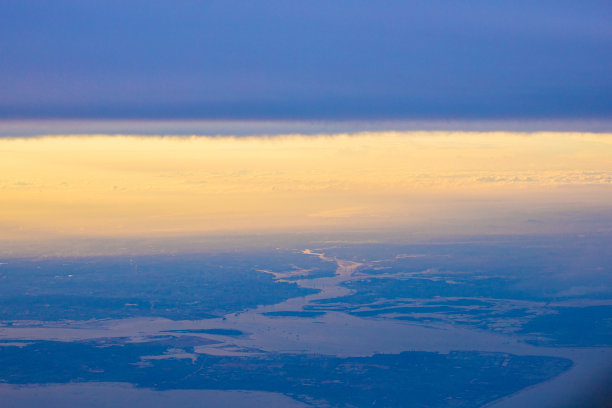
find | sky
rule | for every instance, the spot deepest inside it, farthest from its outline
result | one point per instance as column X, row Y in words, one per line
column 381, row 183
column 319, row 59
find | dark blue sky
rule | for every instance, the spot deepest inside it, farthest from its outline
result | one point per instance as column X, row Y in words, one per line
column 305, row 60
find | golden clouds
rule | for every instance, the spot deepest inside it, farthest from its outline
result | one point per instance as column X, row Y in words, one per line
column 137, row 186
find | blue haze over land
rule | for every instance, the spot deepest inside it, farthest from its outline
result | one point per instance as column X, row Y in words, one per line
column 459, row 323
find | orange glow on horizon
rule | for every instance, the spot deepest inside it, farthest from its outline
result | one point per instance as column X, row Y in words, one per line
column 155, row 186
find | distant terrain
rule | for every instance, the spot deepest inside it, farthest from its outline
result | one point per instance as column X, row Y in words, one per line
column 328, row 326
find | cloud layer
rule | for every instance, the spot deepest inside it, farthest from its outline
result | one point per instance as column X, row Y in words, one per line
column 301, row 60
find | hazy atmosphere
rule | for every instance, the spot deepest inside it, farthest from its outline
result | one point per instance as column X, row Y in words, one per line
column 305, row 204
